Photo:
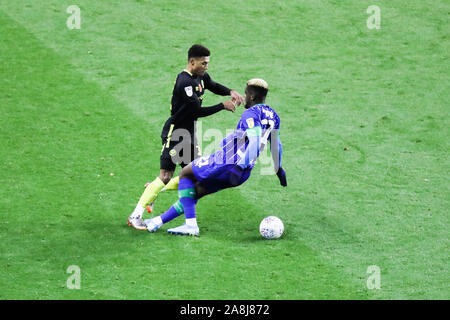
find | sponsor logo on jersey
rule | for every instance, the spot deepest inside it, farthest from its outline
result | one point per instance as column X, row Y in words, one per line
column 199, row 88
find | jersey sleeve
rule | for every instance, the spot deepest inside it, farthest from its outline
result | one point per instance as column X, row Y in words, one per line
column 250, row 123
column 276, row 148
column 215, row 87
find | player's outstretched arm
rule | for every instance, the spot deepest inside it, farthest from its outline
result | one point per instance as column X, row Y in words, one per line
column 207, row 111
column 215, row 87
column 222, row 90
column 193, row 107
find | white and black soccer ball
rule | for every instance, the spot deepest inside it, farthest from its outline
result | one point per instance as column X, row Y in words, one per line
column 271, row 227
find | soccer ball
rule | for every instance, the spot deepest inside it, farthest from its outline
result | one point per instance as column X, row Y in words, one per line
column 271, row 227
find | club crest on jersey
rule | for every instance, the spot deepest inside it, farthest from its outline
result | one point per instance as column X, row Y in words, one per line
column 250, row 122
column 188, row 91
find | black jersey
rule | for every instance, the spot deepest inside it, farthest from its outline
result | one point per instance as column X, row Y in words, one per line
column 187, row 99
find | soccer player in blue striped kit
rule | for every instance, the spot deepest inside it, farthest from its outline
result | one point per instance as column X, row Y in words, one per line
column 231, row 165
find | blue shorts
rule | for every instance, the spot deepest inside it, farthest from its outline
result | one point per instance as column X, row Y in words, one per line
column 215, row 175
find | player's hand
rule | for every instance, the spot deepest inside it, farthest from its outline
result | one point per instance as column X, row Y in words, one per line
column 229, row 105
column 236, row 98
column 281, row 174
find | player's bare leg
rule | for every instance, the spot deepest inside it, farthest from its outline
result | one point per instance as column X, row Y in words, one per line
column 172, row 184
column 189, row 189
column 165, row 175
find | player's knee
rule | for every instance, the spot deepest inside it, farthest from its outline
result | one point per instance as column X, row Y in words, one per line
column 166, row 179
column 165, row 176
column 187, row 173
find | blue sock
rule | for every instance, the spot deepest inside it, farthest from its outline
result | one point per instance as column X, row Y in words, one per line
column 186, row 193
column 174, row 211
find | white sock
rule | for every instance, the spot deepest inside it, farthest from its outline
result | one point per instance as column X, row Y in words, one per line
column 138, row 212
column 191, row 222
column 158, row 221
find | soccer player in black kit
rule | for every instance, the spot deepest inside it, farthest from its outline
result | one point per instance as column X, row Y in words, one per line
column 178, row 137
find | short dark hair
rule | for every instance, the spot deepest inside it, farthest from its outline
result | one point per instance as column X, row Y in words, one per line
column 198, row 51
column 259, row 92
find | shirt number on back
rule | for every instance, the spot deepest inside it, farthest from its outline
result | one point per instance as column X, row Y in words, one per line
column 271, row 123
column 202, row 162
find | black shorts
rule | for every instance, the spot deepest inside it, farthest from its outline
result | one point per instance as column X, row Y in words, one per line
column 177, row 152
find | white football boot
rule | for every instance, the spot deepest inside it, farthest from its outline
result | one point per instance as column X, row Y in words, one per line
column 152, row 226
column 185, row 230
column 137, row 223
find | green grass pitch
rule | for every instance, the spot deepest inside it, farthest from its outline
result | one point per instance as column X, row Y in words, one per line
column 365, row 131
